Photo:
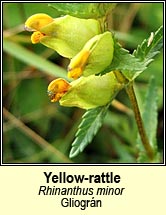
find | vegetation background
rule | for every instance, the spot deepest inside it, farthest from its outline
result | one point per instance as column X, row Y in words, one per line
column 37, row 131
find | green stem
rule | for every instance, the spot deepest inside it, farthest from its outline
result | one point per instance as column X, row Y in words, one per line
column 141, row 129
column 130, row 91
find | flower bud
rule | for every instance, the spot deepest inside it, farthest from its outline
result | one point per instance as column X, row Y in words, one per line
column 95, row 56
column 88, row 92
column 66, row 35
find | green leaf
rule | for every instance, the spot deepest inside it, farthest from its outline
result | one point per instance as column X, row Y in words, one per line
column 132, row 65
column 83, row 10
column 150, row 47
column 149, row 117
column 91, row 122
column 125, row 62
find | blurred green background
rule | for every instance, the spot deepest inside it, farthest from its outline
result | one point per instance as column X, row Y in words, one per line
column 37, row 131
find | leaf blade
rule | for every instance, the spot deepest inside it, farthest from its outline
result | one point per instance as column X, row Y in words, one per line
column 131, row 65
column 150, row 47
column 83, row 10
column 127, row 63
column 89, row 126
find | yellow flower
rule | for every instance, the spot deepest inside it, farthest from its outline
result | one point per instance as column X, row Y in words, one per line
column 85, row 92
column 76, row 66
column 57, row 88
column 35, row 23
column 66, row 35
column 96, row 55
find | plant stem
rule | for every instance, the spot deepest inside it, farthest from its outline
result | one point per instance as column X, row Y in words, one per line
column 141, row 129
column 130, row 91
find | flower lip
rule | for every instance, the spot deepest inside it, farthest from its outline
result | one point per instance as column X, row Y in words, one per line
column 78, row 63
column 37, row 21
column 57, row 88
column 36, row 37
column 74, row 73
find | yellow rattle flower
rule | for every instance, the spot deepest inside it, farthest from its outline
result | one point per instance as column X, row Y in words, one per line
column 85, row 92
column 96, row 55
column 66, row 35
column 57, row 88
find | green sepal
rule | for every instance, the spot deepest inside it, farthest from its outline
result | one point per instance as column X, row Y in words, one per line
column 92, row 91
column 67, row 35
column 101, row 54
column 100, row 49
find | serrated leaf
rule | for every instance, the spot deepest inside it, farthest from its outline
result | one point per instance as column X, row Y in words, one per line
column 149, row 117
column 128, row 64
column 91, row 122
column 148, row 50
column 83, row 10
column 150, row 47
column 132, row 65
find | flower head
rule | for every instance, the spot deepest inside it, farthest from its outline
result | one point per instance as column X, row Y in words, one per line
column 57, row 88
column 96, row 55
column 85, row 92
column 66, row 35
column 37, row 21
